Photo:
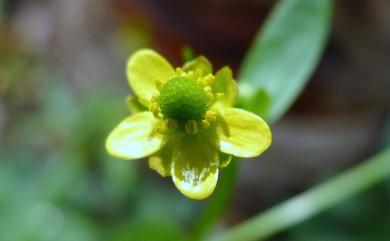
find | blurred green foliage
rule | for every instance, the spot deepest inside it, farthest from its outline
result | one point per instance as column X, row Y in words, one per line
column 56, row 180
column 57, row 183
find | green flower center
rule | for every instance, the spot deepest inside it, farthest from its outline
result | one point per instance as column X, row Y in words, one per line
column 182, row 99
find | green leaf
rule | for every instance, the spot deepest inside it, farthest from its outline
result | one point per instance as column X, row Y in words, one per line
column 285, row 53
column 273, row 74
column 258, row 103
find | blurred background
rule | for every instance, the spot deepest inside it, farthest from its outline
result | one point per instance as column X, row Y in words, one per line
column 63, row 86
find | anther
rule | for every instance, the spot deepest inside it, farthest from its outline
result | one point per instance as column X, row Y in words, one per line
column 205, row 124
column 211, row 116
column 172, row 124
column 202, row 82
column 210, row 97
column 209, row 79
column 160, row 129
column 179, row 71
column 154, row 109
column 191, row 127
column 207, row 89
column 190, row 74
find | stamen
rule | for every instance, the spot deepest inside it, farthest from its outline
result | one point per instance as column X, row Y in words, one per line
column 205, row 124
column 179, row 71
column 191, row 127
column 202, row 82
column 161, row 129
column 190, row 74
column 154, row 109
column 210, row 97
column 172, row 124
column 209, row 79
column 211, row 116
column 207, row 89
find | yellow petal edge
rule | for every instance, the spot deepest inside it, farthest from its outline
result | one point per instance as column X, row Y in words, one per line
column 195, row 163
column 193, row 190
column 134, row 137
column 243, row 133
column 144, row 68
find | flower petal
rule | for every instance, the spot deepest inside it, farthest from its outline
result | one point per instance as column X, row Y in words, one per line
column 224, row 159
column 200, row 62
column 134, row 137
column 144, row 68
column 224, row 83
column 161, row 161
column 195, row 166
column 243, row 133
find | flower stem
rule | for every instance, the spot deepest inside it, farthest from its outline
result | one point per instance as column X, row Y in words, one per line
column 310, row 203
column 217, row 204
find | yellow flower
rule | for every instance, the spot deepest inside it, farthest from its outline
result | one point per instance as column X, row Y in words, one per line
column 183, row 120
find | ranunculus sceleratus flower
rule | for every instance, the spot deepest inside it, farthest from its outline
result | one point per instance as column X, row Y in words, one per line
column 186, row 125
